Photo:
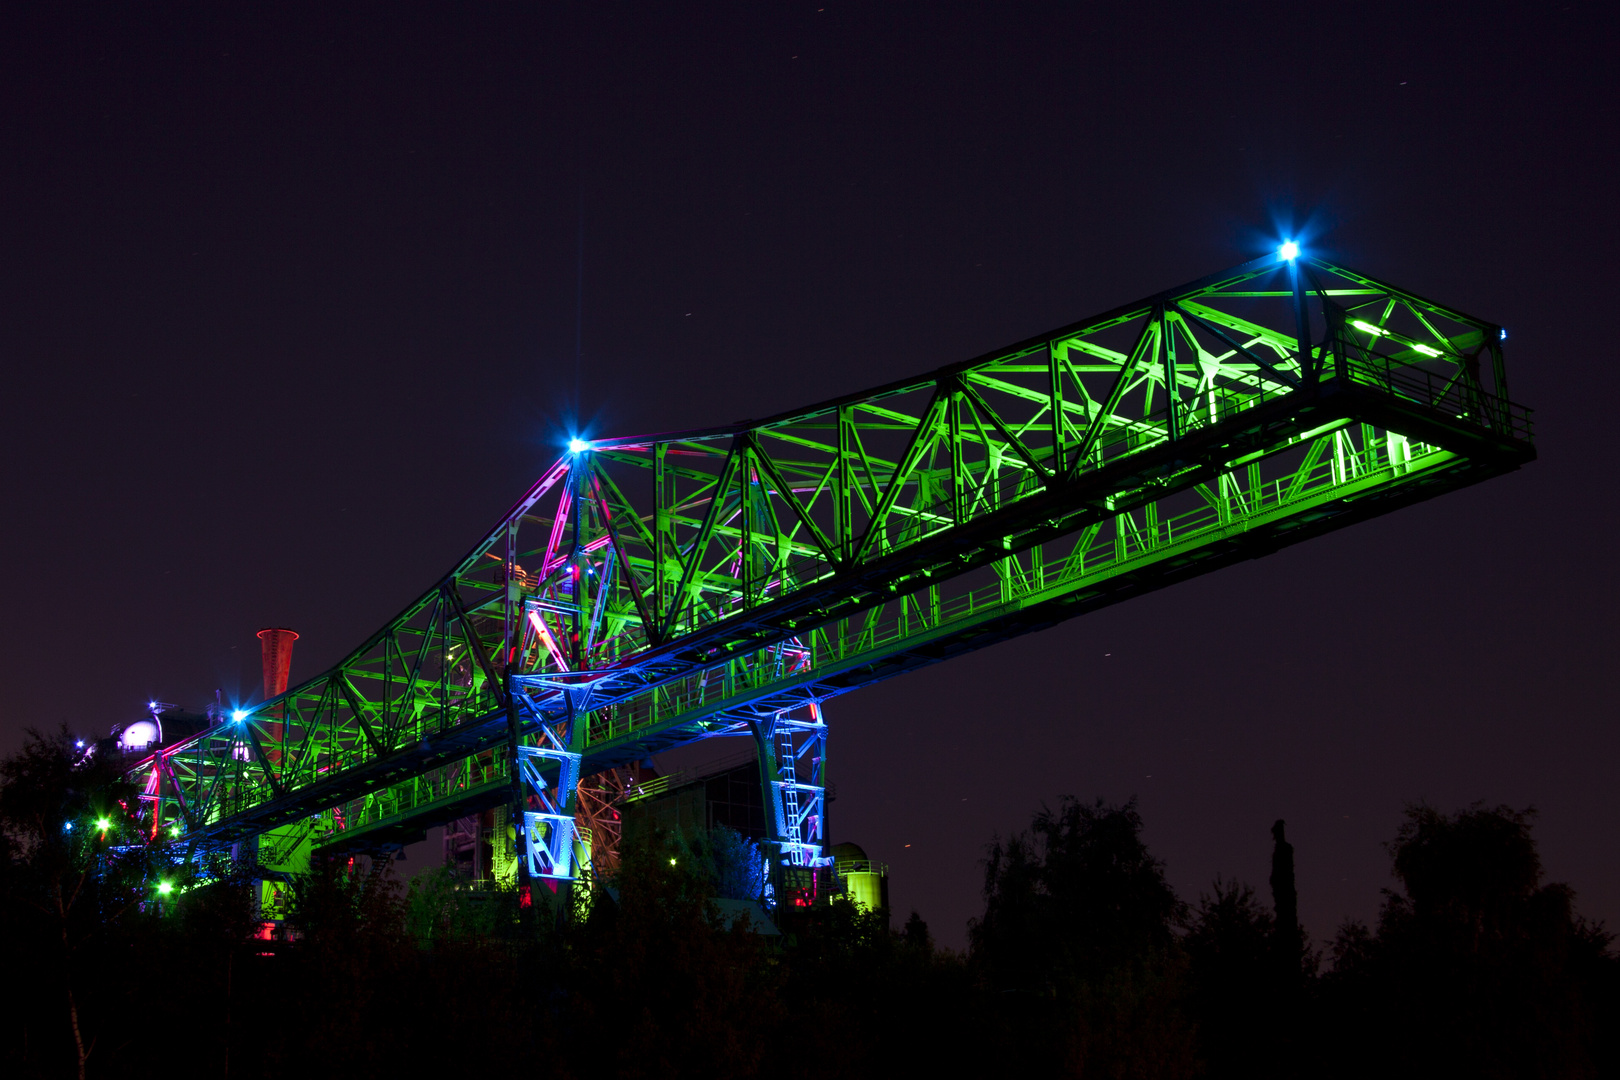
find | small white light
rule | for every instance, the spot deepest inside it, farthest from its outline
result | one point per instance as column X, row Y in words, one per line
column 79, row 744
column 576, row 446
column 239, row 715
column 151, row 704
column 1289, row 250
column 1502, row 334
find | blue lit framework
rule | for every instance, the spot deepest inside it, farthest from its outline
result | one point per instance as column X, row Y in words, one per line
column 649, row 592
column 793, row 760
column 548, row 831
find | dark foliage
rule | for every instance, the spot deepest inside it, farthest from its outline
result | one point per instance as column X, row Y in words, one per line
column 1073, row 899
column 1288, row 939
column 72, row 871
column 1476, row 968
column 1078, row 940
column 1084, row 963
column 663, row 986
column 1235, row 992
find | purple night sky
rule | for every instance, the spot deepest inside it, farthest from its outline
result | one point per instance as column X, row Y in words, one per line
column 290, row 312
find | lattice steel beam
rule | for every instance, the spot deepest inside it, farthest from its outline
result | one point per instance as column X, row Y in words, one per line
column 643, row 592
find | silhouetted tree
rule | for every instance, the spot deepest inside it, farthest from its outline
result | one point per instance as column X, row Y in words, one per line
column 916, row 933
column 1477, row 968
column 661, row 984
column 441, row 907
column 74, row 867
column 1075, row 897
column 1287, row 941
column 191, row 952
column 732, row 866
column 889, row 1002
column 1252, row 975
column 1235, row 992
column 1084, row 962
column 1078, row 935
column 350, row 965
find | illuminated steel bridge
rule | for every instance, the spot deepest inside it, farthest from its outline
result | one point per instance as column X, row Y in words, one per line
column 648, row 592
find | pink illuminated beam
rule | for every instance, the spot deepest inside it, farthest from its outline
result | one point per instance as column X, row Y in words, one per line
column 544, row 633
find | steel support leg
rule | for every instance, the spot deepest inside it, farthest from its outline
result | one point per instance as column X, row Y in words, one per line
column 792, row 768
column 548, row 815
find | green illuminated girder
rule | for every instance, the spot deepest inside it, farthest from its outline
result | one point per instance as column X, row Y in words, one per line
column 650, row 586
column 1322, row 482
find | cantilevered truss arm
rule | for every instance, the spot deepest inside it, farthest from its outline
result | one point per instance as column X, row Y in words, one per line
column 857, row 527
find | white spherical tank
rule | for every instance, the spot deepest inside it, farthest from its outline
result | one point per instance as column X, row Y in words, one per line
column 139, row 735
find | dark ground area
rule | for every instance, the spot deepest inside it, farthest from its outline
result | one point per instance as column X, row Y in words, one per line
column 1083, row 962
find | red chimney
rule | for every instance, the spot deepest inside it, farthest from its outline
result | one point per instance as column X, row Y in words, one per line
column 275, row 647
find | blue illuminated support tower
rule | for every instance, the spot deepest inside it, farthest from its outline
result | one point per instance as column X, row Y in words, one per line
column 548, row 832
column 792, row 769
column 564, row 623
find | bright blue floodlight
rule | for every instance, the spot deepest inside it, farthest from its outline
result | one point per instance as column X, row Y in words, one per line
column 1289, row 251
column 239, row 715
column 576, row 446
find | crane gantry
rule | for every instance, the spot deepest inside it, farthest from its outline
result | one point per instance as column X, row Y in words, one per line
column 650, row 591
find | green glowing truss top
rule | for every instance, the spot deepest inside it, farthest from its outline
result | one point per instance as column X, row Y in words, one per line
column 673, row 587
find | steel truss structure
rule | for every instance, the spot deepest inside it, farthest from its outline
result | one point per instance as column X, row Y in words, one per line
column 651, row 591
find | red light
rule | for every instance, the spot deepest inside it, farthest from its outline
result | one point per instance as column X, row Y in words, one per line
column 524, row 899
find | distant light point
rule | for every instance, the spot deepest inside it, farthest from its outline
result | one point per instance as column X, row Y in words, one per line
column 1289, row 251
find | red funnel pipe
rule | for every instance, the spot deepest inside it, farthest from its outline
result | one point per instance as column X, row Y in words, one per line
column 275, row 647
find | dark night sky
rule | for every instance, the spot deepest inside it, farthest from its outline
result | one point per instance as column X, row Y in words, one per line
column 289, row 317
